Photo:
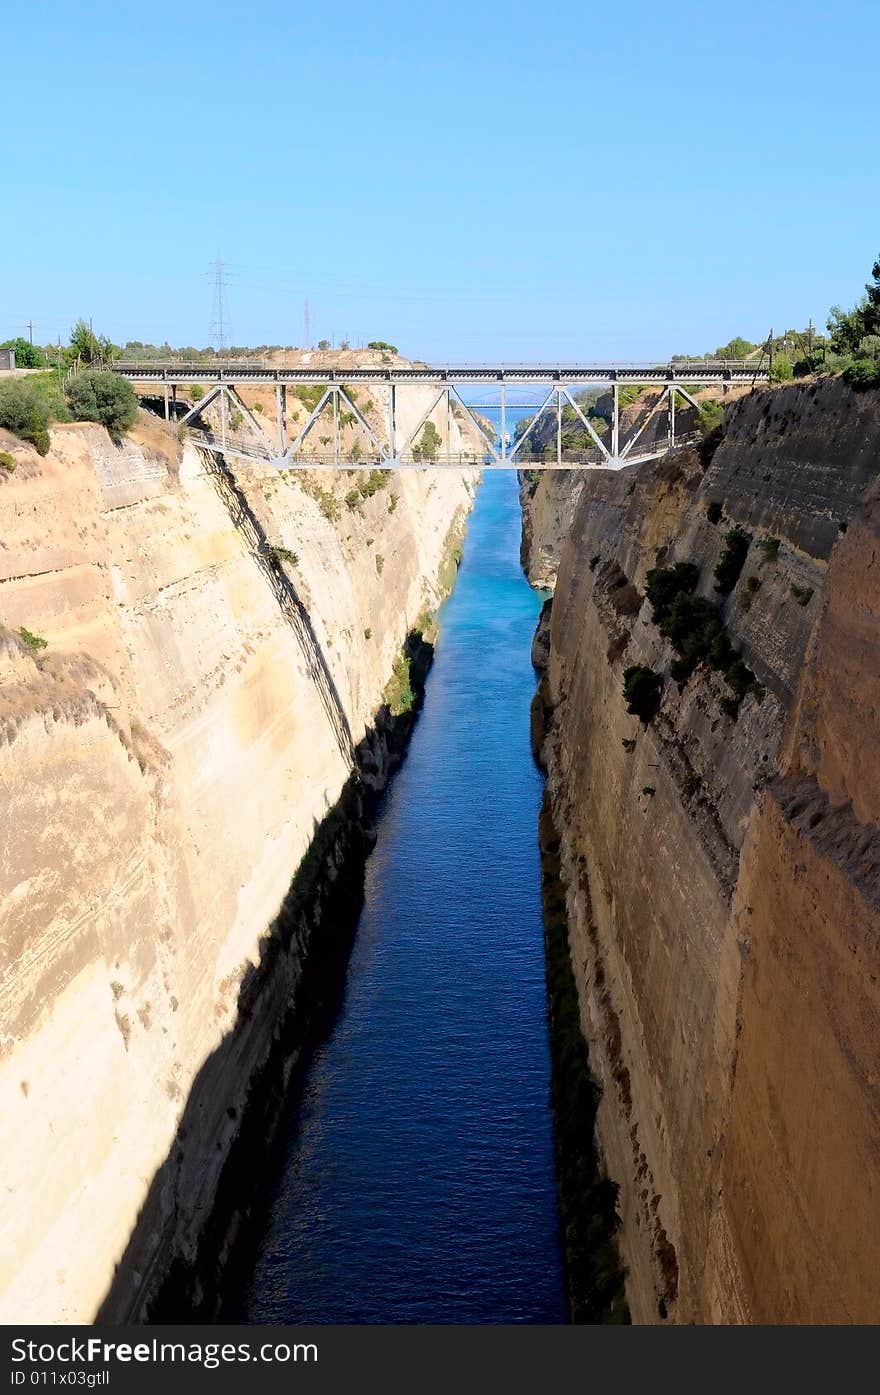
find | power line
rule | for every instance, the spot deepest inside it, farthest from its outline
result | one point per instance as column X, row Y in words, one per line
column 219, row 316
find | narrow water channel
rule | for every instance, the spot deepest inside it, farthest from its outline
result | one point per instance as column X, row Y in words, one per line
column 418, row 1180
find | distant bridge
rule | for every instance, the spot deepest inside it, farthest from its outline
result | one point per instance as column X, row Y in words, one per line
column 395, row 447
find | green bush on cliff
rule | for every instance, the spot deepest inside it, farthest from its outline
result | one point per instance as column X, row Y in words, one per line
column 33, row 642
column 769, row 549
column 24, row 412
column 664, row 584
column 781, row 371
column 709, row 415
column 697, row 633
column 532, row 479
column 696, row 630
column 642, row 692
column 376, row 480
column 399, row 694
column 428, row 445
column 710, row 419
column 732, row 559
column 103, row 397
column 863, row 373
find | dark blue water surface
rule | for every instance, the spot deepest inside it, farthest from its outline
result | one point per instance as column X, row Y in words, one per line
column 418, row 1182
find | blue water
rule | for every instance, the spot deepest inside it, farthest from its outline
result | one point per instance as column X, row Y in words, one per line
column 418, row 1181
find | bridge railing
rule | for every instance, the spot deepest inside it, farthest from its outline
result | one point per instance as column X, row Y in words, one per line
column 457, row 460
column 227, row 365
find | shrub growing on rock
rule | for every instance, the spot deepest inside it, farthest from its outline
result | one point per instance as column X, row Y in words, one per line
column 769, row 549
column 863, row 373
column 732, row 560
column 103, row 397
column 781, row 371
column 642, row 690
column 25, row 413
column 664, row 584
column 696, row 630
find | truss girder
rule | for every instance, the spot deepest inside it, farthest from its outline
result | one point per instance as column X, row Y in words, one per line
column 197, row 409
column 488, row 446
column 551, row 395
column 650, row 414
column 398, row 453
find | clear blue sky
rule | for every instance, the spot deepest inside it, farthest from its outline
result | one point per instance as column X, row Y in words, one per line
column 467, row 179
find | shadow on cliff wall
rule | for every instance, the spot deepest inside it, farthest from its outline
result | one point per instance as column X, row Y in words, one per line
column 282, row 587
column 191, row 1250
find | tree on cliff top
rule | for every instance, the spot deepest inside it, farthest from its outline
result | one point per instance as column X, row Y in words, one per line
column 103, row 397
column 27, row 355
column 849, row 327
column 87, row 347
column 24, row 412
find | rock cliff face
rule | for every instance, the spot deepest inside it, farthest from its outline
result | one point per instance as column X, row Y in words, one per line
column 723, row 872
column 549, row 496
column 165, row 760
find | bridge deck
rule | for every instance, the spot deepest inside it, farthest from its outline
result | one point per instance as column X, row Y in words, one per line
column 695, row 371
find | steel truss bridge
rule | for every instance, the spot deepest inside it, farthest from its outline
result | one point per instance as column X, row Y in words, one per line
column 396, row 447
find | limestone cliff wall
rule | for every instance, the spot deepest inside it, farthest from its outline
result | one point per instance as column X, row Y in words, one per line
column 548, row 503
column 549, row 497
column 723, row 872
column 165, row 758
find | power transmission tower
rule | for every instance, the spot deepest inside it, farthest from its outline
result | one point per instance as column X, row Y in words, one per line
column 219, row 316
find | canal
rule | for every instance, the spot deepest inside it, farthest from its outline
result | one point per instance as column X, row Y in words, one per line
column 417, row 1181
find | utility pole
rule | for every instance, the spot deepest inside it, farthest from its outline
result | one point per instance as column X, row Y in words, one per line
column 307, row 325
column 219, row 316
column 30, row 326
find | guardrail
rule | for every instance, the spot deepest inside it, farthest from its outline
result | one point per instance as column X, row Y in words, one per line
column 458, row 460
column 341, row 373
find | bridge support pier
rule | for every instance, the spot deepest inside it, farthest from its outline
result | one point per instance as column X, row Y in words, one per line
column 392, row 421
column 167, row 407
column 503, row 423
column 448, row 427
column 281, row 415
